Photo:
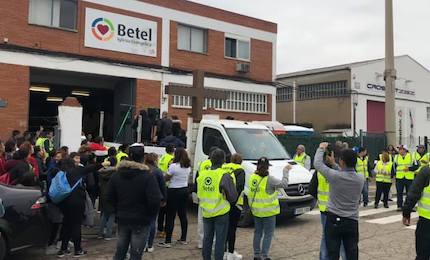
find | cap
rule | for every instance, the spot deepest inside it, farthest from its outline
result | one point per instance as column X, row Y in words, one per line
column 403, row 146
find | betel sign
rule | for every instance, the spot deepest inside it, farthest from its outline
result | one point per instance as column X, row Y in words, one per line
column 110, row 31
column 398, row 90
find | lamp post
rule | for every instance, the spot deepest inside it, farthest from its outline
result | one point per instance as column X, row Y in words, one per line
column 294, row 101
column 354, row 95
column 389, row 75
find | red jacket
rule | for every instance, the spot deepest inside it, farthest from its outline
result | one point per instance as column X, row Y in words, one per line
column 34, row 165
column 97, row 147
column 2, row 164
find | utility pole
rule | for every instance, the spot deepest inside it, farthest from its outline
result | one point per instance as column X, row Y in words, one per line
column 294, row 101
column 390, row 76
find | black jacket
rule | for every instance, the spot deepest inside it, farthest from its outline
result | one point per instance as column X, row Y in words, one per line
column 105, row 175
column 134, row 194
column 421, row 181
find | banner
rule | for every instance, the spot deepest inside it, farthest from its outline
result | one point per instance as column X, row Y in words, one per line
column 110, row 31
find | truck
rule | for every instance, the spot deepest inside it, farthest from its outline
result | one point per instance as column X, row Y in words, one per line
column 252, row 141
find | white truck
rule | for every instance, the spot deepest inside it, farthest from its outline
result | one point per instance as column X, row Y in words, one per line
column 252, row 141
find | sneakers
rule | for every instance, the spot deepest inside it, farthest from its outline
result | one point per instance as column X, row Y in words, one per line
column 165, row 245
column 237, row 256
column 229, row 256
column 376, row 206
column 80, row 253
column 63, row 253
column 182, row 242
column 386, row 206
column 150, row 249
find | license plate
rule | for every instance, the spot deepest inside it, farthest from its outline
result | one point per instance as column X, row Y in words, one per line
column 300, row 211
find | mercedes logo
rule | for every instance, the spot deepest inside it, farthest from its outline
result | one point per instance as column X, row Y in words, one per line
column 301, row 189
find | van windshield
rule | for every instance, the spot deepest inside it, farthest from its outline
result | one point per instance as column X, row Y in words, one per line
column 253, row 144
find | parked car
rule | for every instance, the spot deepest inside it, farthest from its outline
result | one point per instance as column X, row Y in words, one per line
column 24, row 222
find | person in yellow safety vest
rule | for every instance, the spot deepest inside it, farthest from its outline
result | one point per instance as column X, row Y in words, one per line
column 404, row 166
column 420, row 192
column 262, row 195
column 363, row 168
column 390, row 157
column 302, row 158
column 236, row 171
column 216, row 192
column 122, row 153
column 319, row 188
column 163, row 164
column 384, row 172
column 421, row 157
column 45, row 142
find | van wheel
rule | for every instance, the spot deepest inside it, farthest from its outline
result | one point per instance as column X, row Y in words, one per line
column 3, row 247
column 246, row 218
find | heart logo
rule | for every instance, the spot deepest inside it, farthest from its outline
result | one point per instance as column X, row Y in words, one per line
column 103, row 29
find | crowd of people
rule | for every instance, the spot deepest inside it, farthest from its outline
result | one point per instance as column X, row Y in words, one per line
column 140, row 194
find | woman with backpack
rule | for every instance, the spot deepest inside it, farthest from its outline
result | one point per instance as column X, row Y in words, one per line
column 73, row 206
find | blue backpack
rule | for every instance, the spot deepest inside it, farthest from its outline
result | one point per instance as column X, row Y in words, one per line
column 60, row 187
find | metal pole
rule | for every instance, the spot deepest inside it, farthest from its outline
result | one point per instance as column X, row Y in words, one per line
column 102, row 121
column 389, row 75
column 139, row 129
column 294, row 101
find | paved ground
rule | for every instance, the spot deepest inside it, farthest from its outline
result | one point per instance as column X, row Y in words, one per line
column 382, row 236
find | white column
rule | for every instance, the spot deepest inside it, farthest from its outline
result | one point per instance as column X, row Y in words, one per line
column 165, row 43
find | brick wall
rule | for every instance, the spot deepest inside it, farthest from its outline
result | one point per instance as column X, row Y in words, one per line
column 14, row 83
column 214, row 60
column 147, row 94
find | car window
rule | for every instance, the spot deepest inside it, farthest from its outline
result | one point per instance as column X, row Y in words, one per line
column 213, row 138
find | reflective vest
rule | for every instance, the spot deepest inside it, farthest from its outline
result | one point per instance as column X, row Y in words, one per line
column 323, row 192
column 211, row 200
column 164, row 162
column 422, row 160
column 231, row 168
column 120, row 156
column 41, row 143
column 391, row 157
column 401, row 164
column 261, row 203
column 383, row 172
column 205, row 165
column 424, row 204
column 361, row 167
column 301, row 159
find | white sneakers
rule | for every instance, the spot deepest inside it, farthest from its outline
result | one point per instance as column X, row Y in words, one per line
column 234, row 256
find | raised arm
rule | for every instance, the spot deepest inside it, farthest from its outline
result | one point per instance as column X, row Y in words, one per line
column 320, row 166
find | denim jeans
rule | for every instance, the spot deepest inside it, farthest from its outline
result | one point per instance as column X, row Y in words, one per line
column 107, row 220
column 134, row 236
column 218, row 227
column 365, row 192
column 323, row 246
column 263, row 234
column 151, row 236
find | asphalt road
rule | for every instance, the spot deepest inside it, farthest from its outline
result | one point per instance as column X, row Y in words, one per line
column 382, row 236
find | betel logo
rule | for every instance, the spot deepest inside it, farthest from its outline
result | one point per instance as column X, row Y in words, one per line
column 103, row 29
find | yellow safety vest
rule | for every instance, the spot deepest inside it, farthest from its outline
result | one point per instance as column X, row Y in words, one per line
column 401, row 164
column 211, row 200
column 383, row 172
column 41, row 143
column 165, row 161
column 422, row 160
column 261, row 203
column 323, row 192
column 424, row 204
column 361, row 167
column 300, row 159
column 205, row 165
column 120, row 156
column 231, row 168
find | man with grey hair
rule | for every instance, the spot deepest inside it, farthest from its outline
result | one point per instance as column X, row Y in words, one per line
column 302, row 158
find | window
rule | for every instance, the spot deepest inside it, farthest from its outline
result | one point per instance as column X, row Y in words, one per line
column 213, row 138
column 54, row 13
column 192, row 39
column 321, row 90
column 236, row 102
column 284, row 94
column 428, row 113
column 238, row 49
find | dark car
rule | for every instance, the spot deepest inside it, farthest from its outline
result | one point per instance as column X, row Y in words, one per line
column 24, row 222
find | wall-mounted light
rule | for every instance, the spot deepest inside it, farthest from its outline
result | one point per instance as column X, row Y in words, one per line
column 54, row 99
column 80, row 93
column 36, row 88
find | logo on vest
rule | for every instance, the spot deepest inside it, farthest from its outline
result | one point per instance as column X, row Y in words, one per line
column 208, row 185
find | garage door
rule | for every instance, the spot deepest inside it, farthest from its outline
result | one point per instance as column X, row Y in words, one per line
column 375, row 117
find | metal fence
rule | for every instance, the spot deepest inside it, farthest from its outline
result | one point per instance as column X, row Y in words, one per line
column 374, row 143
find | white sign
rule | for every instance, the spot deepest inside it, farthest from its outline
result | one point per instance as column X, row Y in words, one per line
column 110, row 31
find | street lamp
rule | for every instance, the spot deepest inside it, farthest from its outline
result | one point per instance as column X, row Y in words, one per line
column 354, row 95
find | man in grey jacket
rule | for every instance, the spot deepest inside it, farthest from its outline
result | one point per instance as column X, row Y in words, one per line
column 343, row 205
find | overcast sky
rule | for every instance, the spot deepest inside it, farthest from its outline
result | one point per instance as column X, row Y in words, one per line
column 318, row 33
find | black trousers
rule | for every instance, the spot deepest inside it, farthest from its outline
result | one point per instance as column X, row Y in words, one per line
column 162, row 219
column 234, row 217
column 382, row 188
column 338, row 230
column 422, row 239
column 71, row 231
column 177, row 199
column 401, row 185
